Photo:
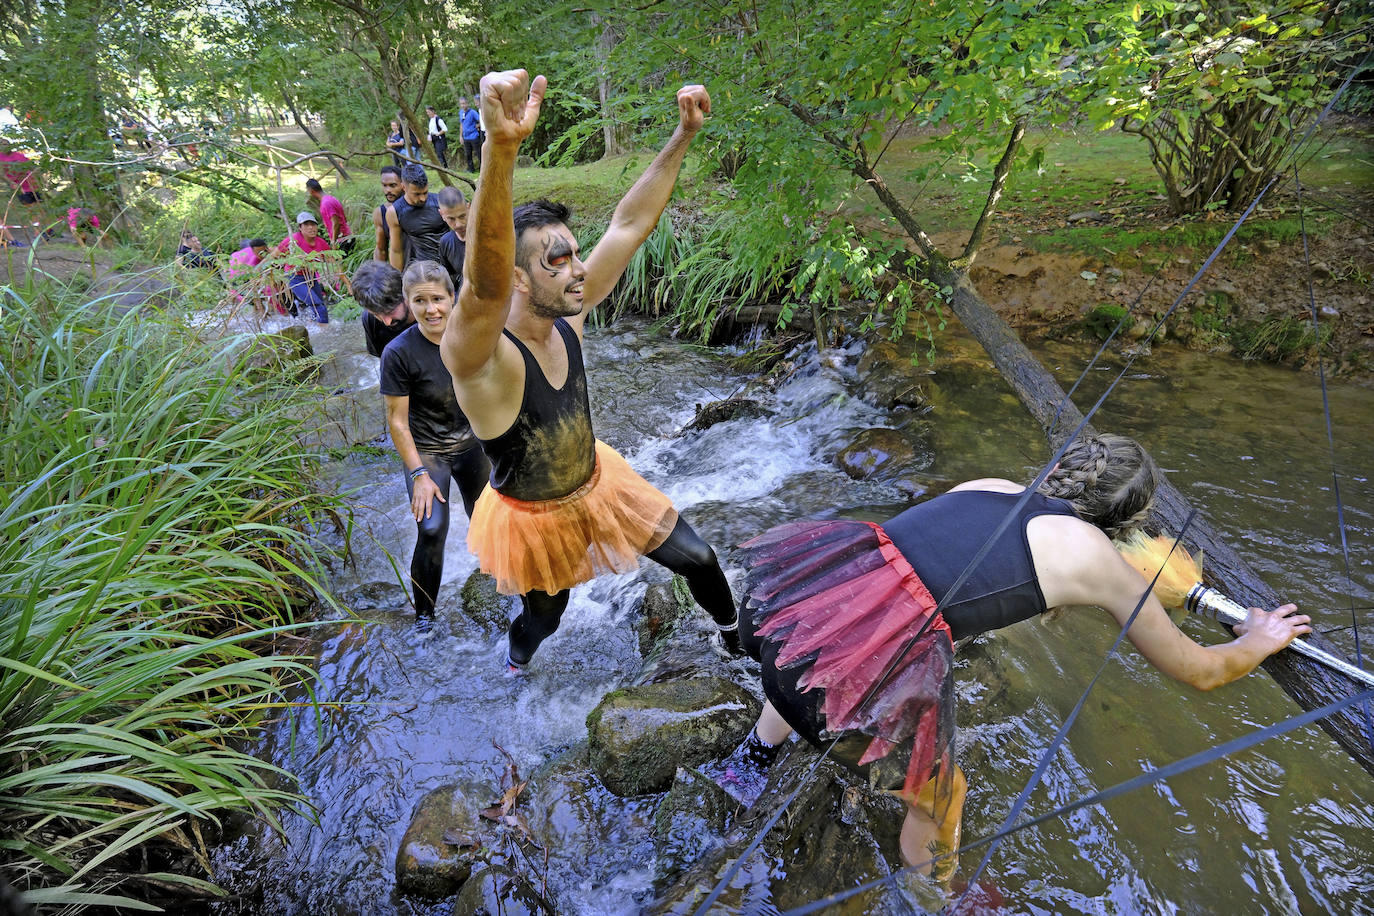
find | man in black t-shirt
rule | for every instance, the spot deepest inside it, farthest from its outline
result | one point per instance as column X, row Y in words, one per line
column 453, row 207
column 377, row 287
column 430, row 432
column 413, row 220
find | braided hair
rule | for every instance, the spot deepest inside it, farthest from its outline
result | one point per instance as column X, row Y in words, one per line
column 1109, row 480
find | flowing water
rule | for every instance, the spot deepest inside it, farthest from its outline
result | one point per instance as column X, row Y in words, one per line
column 1287, row 827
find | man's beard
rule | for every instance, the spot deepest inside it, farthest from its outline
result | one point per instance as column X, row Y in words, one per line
column 552, row 305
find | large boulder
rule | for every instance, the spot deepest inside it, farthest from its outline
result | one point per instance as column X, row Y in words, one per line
column 640, row 735
column 440, row 845
column 286, row 354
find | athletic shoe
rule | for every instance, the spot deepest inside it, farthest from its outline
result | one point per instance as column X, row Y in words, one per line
column 512, row 669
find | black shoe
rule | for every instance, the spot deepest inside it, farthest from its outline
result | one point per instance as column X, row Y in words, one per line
column 744, row 774
column 729, row 639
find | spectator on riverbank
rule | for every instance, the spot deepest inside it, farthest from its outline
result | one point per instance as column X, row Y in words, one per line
column 82, row 221
column 336, row 230
column 391, row 189
column 413, row 221
column 396, row 142
column 191, row 253
column 453, row 208
column 470, row 125
column 377, row 288
column 438, row 135
column 22, row 177
column 304, row 279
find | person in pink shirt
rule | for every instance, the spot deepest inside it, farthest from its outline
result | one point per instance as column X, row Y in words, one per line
column 332, row 212
column 82, row 221
column 304, row 280
column 21, row 175
column 244, row 282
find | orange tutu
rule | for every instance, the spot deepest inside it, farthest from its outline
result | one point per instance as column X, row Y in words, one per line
column 604, row 526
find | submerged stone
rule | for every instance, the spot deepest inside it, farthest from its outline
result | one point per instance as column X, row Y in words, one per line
column 440, row 845
column 880, row 452
column 639, row 736
column 676, row 637
column 498, row 891
column 690, row 820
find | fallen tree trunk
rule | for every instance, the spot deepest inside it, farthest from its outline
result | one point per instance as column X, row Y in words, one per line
column 1309, row 683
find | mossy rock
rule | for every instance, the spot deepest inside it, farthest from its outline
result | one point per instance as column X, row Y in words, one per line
column 639, row 736
column 434, row 859
column 483, row 604
column 689, row 821
column 1103, row 318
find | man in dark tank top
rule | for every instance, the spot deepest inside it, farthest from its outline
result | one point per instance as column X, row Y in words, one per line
column 562, row 507
column 413, row 221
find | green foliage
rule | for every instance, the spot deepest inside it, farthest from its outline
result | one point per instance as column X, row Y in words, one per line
column 155, row 536
column 1103, row 319
column 1219, row 90
column 1277, row 338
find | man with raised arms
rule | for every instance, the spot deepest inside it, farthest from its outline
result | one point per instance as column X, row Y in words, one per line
column 562, row 507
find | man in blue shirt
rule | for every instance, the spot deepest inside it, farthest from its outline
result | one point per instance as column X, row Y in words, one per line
column 472, row 134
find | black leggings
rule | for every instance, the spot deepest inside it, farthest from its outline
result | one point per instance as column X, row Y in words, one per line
column 470, row 469
column 684, row 552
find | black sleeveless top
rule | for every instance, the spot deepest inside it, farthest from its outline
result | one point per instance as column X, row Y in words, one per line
column 939, row 537
column 423, row 227
column 386, row 227
column 549, row 451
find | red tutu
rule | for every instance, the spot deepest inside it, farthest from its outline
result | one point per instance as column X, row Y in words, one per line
column 844, row 606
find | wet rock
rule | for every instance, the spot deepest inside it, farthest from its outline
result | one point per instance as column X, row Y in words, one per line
column 888, row 377
column 484, row 605
column 498, row 891
column 639, row 736
column 429, row 862
column 689, row 821
column 126, row 292
column 836, row 834
column 709, row 415
column 676, row 637
column 880, row 452
column 1270, row 245
column 286, row 355
column 1087, row 216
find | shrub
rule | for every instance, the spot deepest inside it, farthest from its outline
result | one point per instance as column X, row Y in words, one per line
column 155, row 534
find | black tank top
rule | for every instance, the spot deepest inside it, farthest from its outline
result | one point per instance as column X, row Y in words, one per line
column 549, row 451
column 386, row 227
column 939, row 538
column 422, row 225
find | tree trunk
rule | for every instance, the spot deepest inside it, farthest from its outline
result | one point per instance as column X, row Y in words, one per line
column 1308, row 682
column 612, row 132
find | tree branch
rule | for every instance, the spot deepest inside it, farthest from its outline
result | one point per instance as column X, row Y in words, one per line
column 999, row 181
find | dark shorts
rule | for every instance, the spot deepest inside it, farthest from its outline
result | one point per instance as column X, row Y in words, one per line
column 28, row 197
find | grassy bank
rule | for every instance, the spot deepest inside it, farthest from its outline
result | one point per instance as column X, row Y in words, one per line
column 155, row 547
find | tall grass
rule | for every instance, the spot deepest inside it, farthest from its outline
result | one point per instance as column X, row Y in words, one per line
column 156, row 519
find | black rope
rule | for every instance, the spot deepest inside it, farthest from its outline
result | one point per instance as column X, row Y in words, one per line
column 1331, row 447
column 1148, row 778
